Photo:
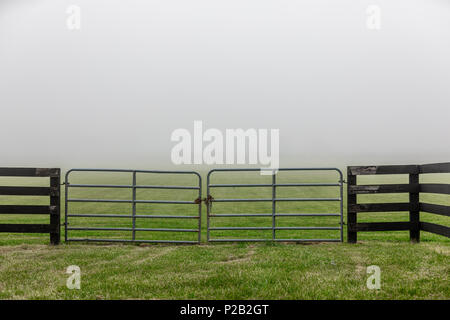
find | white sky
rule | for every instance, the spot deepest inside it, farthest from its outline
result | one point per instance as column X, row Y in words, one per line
column 110, row 94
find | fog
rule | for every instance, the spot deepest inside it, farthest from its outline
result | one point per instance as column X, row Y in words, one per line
column 111, row 93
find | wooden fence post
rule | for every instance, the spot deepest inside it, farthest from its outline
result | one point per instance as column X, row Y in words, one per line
column 55, row 217
column 351, row 215
column 414, row 213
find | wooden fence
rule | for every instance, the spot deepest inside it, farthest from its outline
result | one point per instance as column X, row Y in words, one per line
column 414, row 206
column 53, row 191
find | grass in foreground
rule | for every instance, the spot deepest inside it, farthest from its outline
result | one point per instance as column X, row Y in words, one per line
column 235, row 271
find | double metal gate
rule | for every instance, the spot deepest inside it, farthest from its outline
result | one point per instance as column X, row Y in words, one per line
column 274, row 200
column 133, row 216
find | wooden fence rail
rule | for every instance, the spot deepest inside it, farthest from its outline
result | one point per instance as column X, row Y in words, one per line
column 413, row 206
column 53, row 191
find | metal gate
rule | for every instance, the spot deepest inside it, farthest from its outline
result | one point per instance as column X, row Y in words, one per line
column 132, row 214
column 210, row 200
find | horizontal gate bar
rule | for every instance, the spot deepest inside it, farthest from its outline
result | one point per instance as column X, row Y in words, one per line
column 131, row 201
column 131, row 171
column 241, row 215
column 239, row 185
column 275, row 199
column 276, row 228
column 276, row 215
column 167, row 187
column 166, row 201
column 99, row 186
column 307, row 214
column 274, row 240
column 240, row 228
column 307, row 199
column 132, row 241
column 307, row 228
column 130, row 186
column 129, row 216
column 240, row 200
column 279, row 169
column 307, row 185
column 130, row 229
column 100, row 200
column 277, row 185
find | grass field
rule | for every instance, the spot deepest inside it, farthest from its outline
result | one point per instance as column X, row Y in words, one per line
column 31, row 269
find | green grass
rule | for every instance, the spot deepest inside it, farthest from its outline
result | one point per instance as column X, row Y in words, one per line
column 31, row 269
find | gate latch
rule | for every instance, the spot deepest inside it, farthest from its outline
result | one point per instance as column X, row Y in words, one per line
column 209, row 199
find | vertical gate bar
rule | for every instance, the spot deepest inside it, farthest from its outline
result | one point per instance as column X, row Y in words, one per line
column 134, row 205
column 66, row 207
column 351, row 215
column 414, row 213
column 273, row 203
column 200, row 209
column 55, row 216
column 207, row 206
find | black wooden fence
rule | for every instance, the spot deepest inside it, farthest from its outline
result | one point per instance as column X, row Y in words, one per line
column 53, row 191
column 414, row 206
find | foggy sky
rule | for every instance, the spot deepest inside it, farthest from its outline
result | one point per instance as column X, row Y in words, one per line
column 111, row 94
